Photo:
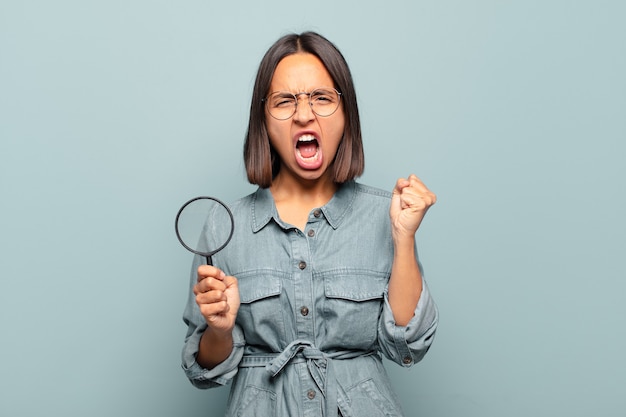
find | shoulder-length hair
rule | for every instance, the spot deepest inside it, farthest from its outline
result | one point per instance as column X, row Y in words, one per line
column 261, row 160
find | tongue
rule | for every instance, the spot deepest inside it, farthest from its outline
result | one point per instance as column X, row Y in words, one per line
column 308, row 150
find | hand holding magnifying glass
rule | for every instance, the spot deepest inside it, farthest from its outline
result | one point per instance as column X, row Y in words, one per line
column 204, row 226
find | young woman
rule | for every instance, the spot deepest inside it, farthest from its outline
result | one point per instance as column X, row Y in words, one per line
column 321, row 277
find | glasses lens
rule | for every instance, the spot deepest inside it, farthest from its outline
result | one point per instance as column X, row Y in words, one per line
column 324, row 101
column 281, row 105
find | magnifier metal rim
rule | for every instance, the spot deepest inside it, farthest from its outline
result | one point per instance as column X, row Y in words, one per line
column 232, row 226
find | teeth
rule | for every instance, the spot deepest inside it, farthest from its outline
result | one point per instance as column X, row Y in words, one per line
column 306, row 138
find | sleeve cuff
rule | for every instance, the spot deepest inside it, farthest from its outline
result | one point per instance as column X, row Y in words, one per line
column 407, row 345
column 221, row 374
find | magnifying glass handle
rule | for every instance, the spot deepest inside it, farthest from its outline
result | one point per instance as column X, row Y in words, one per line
column 209, row 260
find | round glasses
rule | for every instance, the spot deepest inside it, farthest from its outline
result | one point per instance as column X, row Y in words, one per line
column 282, row 105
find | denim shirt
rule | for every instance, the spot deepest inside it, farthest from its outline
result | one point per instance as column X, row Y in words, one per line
column 314, row 317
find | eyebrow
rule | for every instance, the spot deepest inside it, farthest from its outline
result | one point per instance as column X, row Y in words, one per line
column 302, row 92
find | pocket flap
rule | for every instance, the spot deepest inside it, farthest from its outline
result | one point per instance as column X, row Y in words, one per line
column 257, row 285
column 355, row 285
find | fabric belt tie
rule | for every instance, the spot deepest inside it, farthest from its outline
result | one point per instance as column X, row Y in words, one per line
column 319, row 364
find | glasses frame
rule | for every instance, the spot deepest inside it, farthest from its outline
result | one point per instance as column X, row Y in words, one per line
column 296, row 100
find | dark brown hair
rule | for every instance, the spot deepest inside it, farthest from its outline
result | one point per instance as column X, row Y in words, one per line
column 262, row 162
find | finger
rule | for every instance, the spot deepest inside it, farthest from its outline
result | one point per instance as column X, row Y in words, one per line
column 230, row 282
column 417, row 183
column 418, row 200
column 412, row 200
column 396, row 197
column 401, row 183
column 205, row 271
column 210, row 297
column 418, row 187
column 209, row 284
column 214, row 309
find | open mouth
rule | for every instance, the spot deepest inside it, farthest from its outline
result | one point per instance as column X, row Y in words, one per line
column 307, row 147
column 308, row 152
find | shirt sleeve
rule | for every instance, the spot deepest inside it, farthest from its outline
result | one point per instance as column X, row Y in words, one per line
column 407, row 345
column 196, row 325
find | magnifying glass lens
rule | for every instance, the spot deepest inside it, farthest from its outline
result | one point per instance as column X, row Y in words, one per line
column 204, row 226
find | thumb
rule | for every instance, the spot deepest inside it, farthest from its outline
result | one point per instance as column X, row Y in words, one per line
column 396, row 197
column 230, row 281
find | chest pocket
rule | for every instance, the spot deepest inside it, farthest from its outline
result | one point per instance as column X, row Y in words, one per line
column 260, row 312
column 352, row 306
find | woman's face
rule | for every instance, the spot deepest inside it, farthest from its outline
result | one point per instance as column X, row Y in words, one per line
column 306, row 143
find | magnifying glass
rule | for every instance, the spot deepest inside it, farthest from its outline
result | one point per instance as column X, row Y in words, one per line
column 204, row 226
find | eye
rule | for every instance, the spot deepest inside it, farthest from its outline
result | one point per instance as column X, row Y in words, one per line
column 282, row 100
column 323, row 97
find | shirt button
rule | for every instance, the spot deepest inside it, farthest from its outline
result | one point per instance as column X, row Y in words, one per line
column 407, row 360
column 302, row 265
column 311, row 233
column 317, row 213
column 304, row 311
column 310, row 394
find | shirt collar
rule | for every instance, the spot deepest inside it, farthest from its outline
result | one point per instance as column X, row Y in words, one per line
column 335, row 211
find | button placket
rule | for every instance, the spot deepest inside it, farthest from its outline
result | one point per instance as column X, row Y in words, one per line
column 302, row 279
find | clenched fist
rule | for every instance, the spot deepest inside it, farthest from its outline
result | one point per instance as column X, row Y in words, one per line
column 217, row 295
column 409, row 203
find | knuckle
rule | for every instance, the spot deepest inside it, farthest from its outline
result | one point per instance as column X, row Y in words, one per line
column 205, row 310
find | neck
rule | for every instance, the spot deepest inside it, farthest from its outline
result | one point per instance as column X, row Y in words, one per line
column 317, row 192
column 295, row 199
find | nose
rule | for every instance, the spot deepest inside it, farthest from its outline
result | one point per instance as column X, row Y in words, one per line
column 304, row 112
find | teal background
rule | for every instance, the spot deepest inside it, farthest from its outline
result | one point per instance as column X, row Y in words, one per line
column 113, row 113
